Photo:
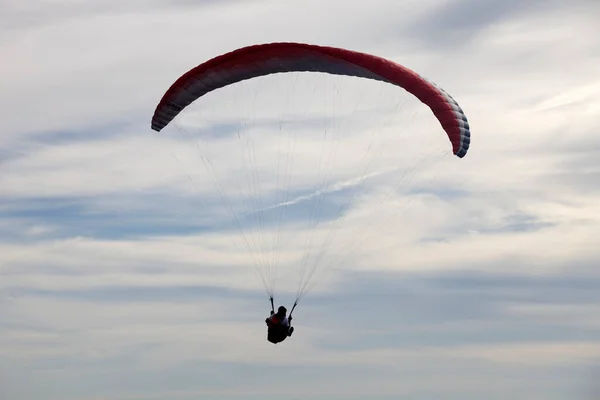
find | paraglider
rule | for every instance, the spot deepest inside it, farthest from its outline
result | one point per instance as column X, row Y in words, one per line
column 279, row 327
column 265, row 59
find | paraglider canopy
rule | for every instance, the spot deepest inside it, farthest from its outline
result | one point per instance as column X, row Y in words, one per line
column 258, row 60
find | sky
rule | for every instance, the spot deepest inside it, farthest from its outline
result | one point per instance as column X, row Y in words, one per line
column 132, row 261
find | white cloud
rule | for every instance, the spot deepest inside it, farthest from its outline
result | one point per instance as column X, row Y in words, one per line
column 79, row 89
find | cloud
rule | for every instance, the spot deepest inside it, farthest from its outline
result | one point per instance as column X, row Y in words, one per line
column 459, row 22
column 124, row 276
column 425, row 333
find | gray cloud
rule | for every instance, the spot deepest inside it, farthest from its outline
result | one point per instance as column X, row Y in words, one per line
column 456, row 24
column 391, row 311
column 17, row 16
column 459, row 21
column 118, row 281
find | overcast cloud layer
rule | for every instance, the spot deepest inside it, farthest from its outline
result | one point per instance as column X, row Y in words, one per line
column 123, row 276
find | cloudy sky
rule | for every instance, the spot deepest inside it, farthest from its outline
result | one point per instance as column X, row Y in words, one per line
column 127, row 273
